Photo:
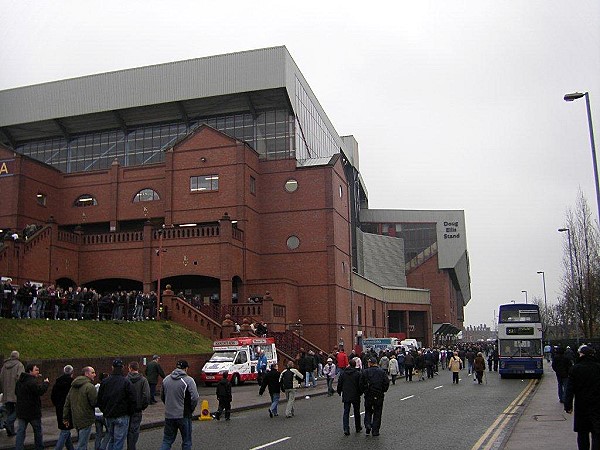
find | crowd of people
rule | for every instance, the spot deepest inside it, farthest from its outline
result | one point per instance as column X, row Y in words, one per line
column 34, row 301
column 112, row 403
column 369, row 374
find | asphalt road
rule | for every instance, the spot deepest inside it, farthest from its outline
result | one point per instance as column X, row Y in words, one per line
column 422, row 414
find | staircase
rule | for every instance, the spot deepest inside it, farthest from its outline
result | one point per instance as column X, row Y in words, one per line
column 289, row 342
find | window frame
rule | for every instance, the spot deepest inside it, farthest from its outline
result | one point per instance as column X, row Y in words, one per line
column 212, row 180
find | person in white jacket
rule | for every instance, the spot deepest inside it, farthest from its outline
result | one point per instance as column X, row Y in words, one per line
column 393, row 368
column 329, row 370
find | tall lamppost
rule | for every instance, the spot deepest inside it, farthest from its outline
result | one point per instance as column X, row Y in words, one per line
column 545, row 298
column 570, row 98
column 568, row 230
column 159, row 253
column 525, row 292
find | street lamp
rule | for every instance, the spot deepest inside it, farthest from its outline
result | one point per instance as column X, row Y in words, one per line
column 545, row 298
column 568, row 230
column 159, row 253
column 525, row 292
column 570, row 98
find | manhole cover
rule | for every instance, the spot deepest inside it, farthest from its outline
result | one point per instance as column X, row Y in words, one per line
column 542, row 418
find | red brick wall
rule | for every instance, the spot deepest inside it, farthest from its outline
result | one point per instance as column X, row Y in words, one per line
column 428, row 276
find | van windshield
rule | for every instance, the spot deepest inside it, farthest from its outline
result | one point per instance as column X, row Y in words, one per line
column 223, row 356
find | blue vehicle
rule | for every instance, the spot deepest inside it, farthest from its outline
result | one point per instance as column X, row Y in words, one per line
column 520, row 348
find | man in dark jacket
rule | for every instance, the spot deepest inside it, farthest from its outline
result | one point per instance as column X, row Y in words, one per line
column 153, row 370
column 584, row 385
column 116, row 400
column 29, row 405
column 349, row 388
column 271, row 380
column 223, row 397
column 142, row 400
column 561, row 366
column 374, row 383
column 59, row 394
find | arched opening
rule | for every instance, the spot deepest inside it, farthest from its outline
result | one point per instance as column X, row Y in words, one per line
column 236, row 289
column 65, row 283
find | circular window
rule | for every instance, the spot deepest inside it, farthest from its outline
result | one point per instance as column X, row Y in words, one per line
column 293, row 242
column 291, row 185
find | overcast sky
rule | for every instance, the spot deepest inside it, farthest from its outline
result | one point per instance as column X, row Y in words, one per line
column 454, row 104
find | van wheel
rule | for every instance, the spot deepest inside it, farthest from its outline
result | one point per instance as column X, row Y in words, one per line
column 235, row 380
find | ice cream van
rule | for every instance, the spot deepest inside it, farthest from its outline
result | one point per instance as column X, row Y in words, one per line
column 239, row 357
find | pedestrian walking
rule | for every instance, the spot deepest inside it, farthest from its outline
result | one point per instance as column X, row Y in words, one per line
column 180, row 396
column 393, row 368
column 479, row 367
column 116, row 400
column 9, row 374
column 455, row 365
column 79, row 409
column 290, row 381
column 224, row 397
column 261, row 366
column 153, row 371
column 329, row 370
column 561, row 366
column 271, row 380
column 58, row 396
column 374, row 383
column 349, row 388
column 29, row 405
column 141, row 389
column 583, row 385
column 409, row 363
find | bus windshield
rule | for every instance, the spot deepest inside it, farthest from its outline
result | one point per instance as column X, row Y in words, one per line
column 520, row 347
column 519, row 315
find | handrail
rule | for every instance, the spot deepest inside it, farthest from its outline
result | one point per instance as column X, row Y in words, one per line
column 112, row 238
column 186, row 232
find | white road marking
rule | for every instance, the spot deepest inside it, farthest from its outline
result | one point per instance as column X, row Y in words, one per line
column 406, row 398
column 271, row 443
column 352, row 416
column 437, row 387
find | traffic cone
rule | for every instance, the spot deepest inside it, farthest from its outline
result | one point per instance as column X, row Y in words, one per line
column 204, row 411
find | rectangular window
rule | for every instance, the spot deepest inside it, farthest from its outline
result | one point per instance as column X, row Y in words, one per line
column 359, row 315
column 253, row 185
column 204, row 183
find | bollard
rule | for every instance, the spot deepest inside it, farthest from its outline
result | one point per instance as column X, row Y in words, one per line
column 204, row 411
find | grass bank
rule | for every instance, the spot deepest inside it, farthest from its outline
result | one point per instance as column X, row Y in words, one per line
column 50, row 339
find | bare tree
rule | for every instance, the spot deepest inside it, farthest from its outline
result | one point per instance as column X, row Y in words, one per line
column 581, row 281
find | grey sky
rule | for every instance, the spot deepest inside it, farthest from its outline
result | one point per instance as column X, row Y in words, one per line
column 455, row 104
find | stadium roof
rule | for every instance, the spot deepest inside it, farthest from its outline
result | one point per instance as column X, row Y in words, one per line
column 245, row 81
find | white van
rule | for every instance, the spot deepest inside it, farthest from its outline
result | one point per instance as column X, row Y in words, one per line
column 239, row 357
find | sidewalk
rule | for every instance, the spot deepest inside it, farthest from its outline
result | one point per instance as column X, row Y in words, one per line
column 244, row 397
column 544, row 423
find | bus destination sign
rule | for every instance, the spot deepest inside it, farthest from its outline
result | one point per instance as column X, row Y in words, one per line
column 519, row 330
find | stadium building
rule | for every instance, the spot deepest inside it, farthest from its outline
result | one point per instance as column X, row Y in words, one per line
column 224, row 178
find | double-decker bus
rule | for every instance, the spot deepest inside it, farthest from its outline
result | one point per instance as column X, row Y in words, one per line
column 520, row 348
